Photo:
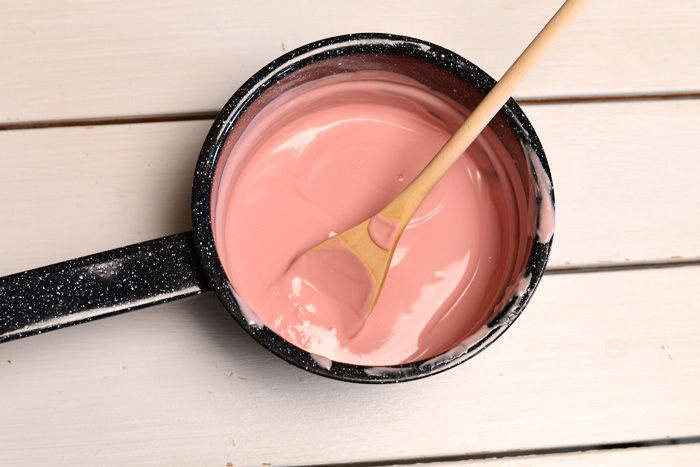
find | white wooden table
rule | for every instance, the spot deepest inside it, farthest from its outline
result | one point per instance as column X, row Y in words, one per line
column 103, row 108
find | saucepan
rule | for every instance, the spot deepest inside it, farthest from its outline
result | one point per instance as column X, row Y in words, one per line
column 187, row 264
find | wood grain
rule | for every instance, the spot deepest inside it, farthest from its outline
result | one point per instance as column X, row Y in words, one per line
column 596, row 358
column 80, row 59
column 69, row 192
column 625, row 180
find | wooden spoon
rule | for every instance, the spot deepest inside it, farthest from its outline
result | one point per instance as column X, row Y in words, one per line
column 386, row 227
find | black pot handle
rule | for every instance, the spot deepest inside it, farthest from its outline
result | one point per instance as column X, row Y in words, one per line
column 100, row 285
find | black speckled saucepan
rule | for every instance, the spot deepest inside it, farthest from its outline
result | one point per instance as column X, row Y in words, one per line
column 187, row 264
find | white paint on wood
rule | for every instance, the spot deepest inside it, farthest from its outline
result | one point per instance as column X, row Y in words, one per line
column 625, row 178
column 69, row 192
column 596, row 358
column 78, row 59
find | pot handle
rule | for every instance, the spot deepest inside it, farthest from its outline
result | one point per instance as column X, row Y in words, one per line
column 100, row 285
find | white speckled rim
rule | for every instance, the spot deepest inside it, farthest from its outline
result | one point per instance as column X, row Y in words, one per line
column 214, row 153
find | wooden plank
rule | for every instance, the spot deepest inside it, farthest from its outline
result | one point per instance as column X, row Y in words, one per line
column 69, row 192
column 82, row 59
column 673, row 455
column 596, row 358
column 625, row 179
column 626, row 193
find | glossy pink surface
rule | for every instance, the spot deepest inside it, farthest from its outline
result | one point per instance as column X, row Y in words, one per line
column 330, row 154
column 383, row 231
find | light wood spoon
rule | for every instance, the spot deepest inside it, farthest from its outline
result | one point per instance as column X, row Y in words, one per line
column 392, row 220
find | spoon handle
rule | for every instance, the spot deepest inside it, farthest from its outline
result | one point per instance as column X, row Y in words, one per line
column 407, row 202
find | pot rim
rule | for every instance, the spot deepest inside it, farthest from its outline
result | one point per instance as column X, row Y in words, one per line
column 210, row 154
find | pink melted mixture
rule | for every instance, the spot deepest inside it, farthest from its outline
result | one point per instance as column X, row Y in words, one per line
column 330, row 154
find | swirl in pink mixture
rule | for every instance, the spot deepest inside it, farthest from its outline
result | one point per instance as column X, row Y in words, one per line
column 329, row 154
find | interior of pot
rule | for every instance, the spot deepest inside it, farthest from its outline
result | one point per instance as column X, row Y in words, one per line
column 460, row 81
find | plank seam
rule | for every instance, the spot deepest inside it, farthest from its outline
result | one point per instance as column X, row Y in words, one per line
column 165, row 118
column 521, row 453
column 599, row 98
column 210, row 115
column 611, row 267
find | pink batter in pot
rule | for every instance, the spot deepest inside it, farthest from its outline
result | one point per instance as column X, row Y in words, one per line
column 330, row 154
